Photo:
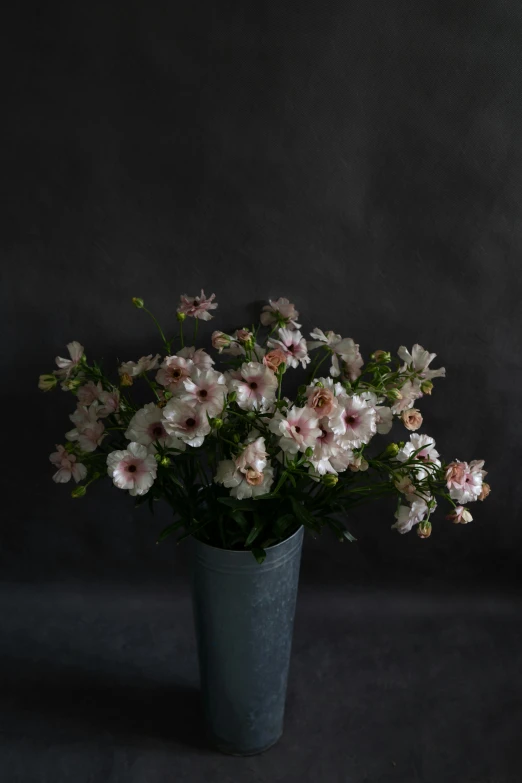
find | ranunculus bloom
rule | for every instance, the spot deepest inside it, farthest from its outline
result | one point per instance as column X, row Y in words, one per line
column 484, row 492
column 298, row 430
column 405, row 485
column 253, row 456
column 293, row 345
column 279, row 310
column 341, row 348
column 200, row 358
column 244, row 335
column 321, row 400
column 427, row 454
column 144, row 364
column 412, row 419
column 148, row 426
column 455, row 473
column 469, row 487
column 460, row 516
column 110, row 403
column 206, row 389
column 89, row 392
column 173, row 371
column 187, row 422
column 408, row 516
column 89, row 432
column 274, row 359
column 67, row 466
column 255, row 387
column 244, row 485
column 220, row 340
column 419, row 361
column 132, row 468
column 197, row 306
column 354, row 422
column 409, row 392
column 67, row 366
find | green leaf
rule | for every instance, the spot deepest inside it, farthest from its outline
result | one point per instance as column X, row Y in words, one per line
column 237, row 505
column 282, row 523
column 240, row 519
column 304, row 516
column 258, row 526
column 169, row 529
column 259, row 554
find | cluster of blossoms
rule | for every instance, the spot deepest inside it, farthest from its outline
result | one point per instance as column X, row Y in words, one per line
column 213, row 442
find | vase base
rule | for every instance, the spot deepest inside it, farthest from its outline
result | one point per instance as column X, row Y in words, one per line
column 229, row 750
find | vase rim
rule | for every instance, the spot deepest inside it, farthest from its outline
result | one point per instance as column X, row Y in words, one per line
column 271, row 548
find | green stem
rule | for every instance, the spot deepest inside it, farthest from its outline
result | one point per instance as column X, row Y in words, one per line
column 196, row 327
column 160, row 330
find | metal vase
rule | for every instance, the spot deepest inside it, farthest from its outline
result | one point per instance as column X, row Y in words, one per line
column 244, row 616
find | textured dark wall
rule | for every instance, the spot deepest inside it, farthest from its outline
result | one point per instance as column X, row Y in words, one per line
column 363, row 159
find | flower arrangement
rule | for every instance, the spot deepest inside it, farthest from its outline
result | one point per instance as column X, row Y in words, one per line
column 242, row 465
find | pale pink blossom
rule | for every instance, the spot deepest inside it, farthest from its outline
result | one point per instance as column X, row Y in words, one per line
column 280, row 311
column 455, row 473
column 220, row 340
column 200, row 358
column 298, row 430
column 384, row 419
column 408, row 516
column 244, row 485
column 253, row 456
column 144, row 364
column 187, row 422
column 470, row 486
column 173, row 371
column 67, row 366
column 255, row 387
column 412, row 419
column 460, row 516
column 89, row 392
column 206, row 389
column 67, row 466
column 133, row 468
column 321, row 400
column 147, row 427
column 419, row 360
column 409, row 392
column 274, row 359
column 405, row 486
column 293, row 345
column 110, row 403
column 197, row 306
column 342, row 348
column 342, row 460
column 358, row 464
column 89, row 432
column 426, row 454
column 485, row 491
column 354, row 422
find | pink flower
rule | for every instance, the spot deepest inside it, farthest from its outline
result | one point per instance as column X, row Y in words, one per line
column 206, row 389
column 280, row 311
column 253, row 456
column 354, row 422
column 412, row 419
column 298, row 430
column 321, row 400
column 200, row 358
column 409, row 392
column 145, row 364
column 426, row 454
column 189, row 423
column 173, row 371
column 110, row 403
column 89, row 432
column 419, row 360
column 293, row 345
column 255, row 388
column 274, row 359
column 344, row 349
column 408, row 516
column 197, row 306
column 343, row 460
column 466, row 487
column 67, row 466
column 460, row 516
column 485, row 491
column 220, row 340
column 147, row 427
column 244, row 485
column 405, row 486
column 67, row 366
column 89, row 392
column 132, row 468
column 455, row 473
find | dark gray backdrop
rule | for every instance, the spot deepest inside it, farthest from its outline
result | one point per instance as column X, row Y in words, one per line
column 363, row 159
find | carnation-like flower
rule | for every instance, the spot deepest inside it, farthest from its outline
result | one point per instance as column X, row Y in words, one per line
column 455, row 473
column 409, row 392
column 207, row 389
column 328, row 455
column 342, row 460
column 133, row 468
column 197, row 306
column 298, row 430
column 427, row 454
column 67, row 366
column 89, row 392
column 200, row 358
column 173, row 371
column 419, row 360
column 321, row 400
column 67, row 466
column 280, row 311
column 408, row 516
column 405, row 486
column 293, row 345
column 109, row 403
column 89, row 432
column 341, row 348
column 145, row 364
column 460, row 516
column 354, row 422
column 244, row 485
column 147, row 427
column 274, row 359
column 412, row 419
column 465, row 487
column 253, row 456
column 187, row 422
column 255, row 387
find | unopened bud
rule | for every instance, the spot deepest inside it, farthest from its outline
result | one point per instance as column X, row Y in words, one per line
column 309, row 452
column 79, row 491
column 137, row 302
column 217, row 423
column 391, row 450
column 426, row 387
column 235, row 437
column 47, row 382
column 424, row 529
column 71, row 384
column 232, row 396
column 381, row 357
column 484, row 492
column 126, row 380
column 245, row 337
column 181, row 317
column 165, row 462
column 251, row 415
column 330, row 480
column 394, row 394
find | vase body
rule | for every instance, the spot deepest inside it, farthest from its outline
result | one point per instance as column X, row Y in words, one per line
column 244, row 615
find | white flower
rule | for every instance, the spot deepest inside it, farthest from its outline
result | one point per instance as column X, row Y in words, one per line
column 408, row 516
column 89, row 392
column 255, row 388
column 355, row 422
column 148, row 426
column 197, row 306
column 280, row 310
column 89, row 432
column 419, row 361
column 298, row 430
column 253, row 456
column 293, row 345
column 243, row 485
column 342, row 460
column 144, row 364
column 200, row 358
column 207, row 389
column 345, row 349
column 110, row 403
column 173, row 371
column 410, row 392
column 384, row 419
column 469, row 487
column 67, row 366
column 187, row 422
column 427, row 453
column 67, row 466
column 133, row 468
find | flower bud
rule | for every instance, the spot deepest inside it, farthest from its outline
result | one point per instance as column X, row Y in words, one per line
column 381, row 357
column 165, row 462
column 235, row 437
column 126, row 380
column 47, row 382
column 251, row 415
column 484, row 492
column 138, row 303
column 220, row 340
column 309, row 452
column 394, row 394
column 246, row 337
column 424, row 529
column 181, row 317
column 426, row 387
column 71, row 384
column 79, row 491
column 232, row 396
column 359, row 463
column 391, row 450
column 217, row 423
column 330, row 480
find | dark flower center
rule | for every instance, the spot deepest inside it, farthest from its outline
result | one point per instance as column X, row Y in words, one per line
column 132, row 468
column 351, row 419
column 158, row 431
column 190, row 422
column 176, row 372
column 253, row 385
column 203, row 392
column 297, row 428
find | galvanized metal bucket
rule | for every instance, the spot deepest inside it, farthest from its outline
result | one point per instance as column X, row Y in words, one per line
column 244, row 616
